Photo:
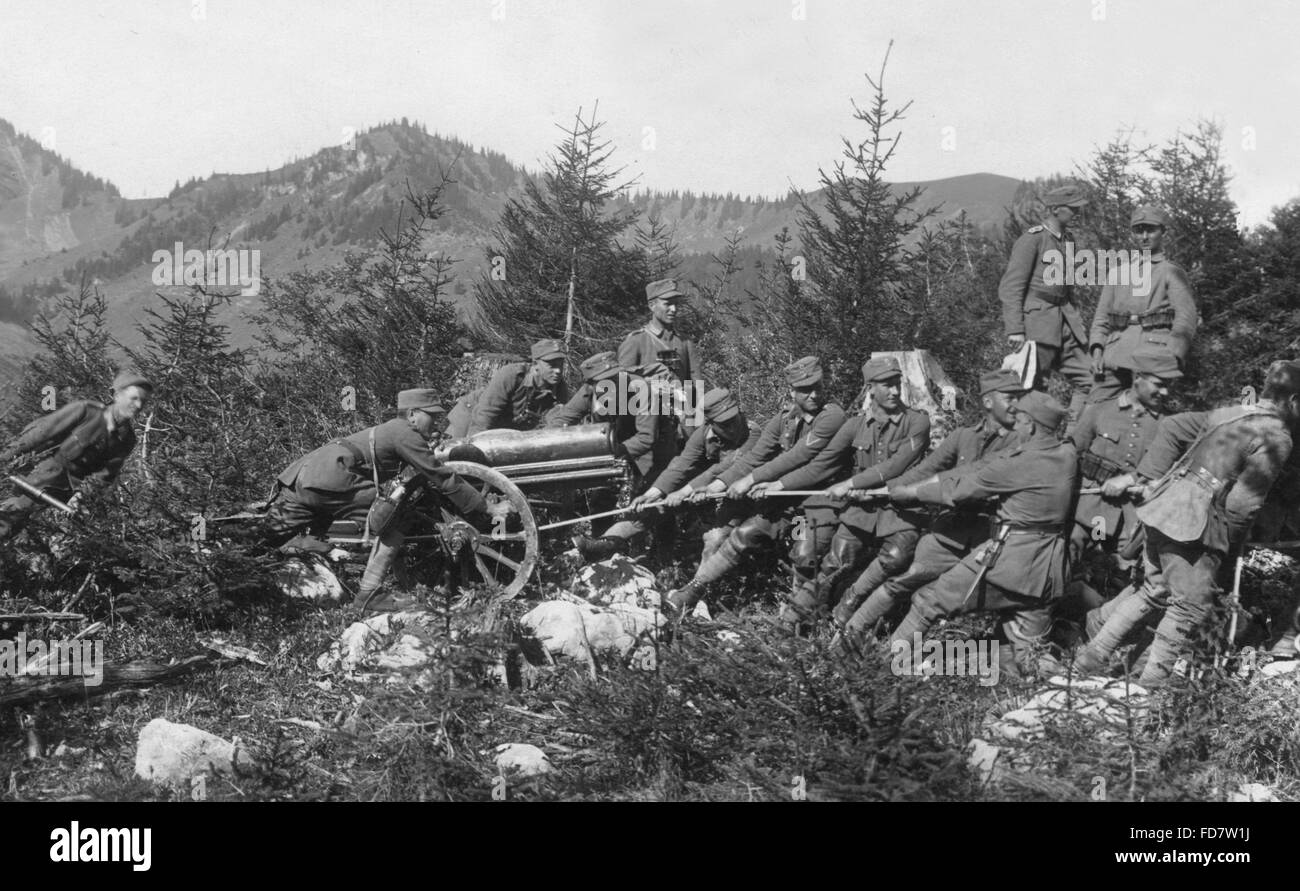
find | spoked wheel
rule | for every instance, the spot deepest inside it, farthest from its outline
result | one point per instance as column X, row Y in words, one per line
column 504, row 557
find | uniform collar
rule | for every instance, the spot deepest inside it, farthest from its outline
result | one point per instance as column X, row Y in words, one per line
column 883, row 418
column 1059, row 236
column 658, row 330
column 1129, row 402
column 110, row 420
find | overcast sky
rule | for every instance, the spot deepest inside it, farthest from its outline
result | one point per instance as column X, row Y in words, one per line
column 747, row 96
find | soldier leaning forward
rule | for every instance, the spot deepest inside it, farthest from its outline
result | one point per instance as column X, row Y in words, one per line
column 1158, row 312
column 1213, row 471
column 1111, row 439
column 1034, row 483
column 956, row 530
column 791, row 439
column 642, row 433
column 519, row 395
column 868, row 451
column 91, row 442
column 1037, row 301
column 339, row 480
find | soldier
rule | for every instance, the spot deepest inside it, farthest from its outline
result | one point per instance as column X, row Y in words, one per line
column 1034, row 482
column 1200, row 506
column 870, row 449
column 339, row 480
column 1159, row 312
column 1111, row 438
column 789, row 440
column 658, row 340
column 955, row 531
column 519, row 396
column 629, row 402
column 726, row 432
column 92, row 442
column 1036, row 297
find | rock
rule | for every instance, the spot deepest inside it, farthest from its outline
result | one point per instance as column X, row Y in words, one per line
column 1253, row 792
column 63, row 750
column 521, row 760
column 1281, row 667
column 983, row 760
column 308, row 581
column 582, row 632
column 617, row 580
column 1098, row 698
column 378, row 636
column 171, row 754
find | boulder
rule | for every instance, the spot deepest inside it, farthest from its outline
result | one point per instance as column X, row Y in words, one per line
column 312, row 582
column 1253, row 792
column 394, row 640
column 617, row 580
column 583, row 632
column 1100, row 699
column 521, row 760
column 172, row 754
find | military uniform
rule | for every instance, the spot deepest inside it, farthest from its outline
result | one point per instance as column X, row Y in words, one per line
column 789, row 440
column 954, row 531
column 1164, row 317
column 709, row 446
column 1203, row 504
column 337, row 481
column 91, row 445
column 653, row 343
column 872, row 449
column 1042, row 312
column 1034, row 482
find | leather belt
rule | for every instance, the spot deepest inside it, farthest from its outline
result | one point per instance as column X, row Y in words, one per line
column 1052, row 297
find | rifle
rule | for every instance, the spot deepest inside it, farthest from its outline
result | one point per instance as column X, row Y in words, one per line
column 986, row 560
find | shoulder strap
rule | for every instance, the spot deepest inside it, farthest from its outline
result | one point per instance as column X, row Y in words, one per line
column 1186, row 457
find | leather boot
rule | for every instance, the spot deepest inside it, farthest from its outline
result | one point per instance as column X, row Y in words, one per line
column 593, row 550
column 865, row 617
column 712, row 568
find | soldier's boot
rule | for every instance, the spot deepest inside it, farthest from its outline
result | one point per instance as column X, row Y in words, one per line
column 875, row 575
column 1171, row 642
column 1125, row 614
column 713, row 539
column 594, row 550
column 712, row 568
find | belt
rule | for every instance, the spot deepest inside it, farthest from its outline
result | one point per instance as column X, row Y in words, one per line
column 1156, row 318
column 1032, row 528
column 1052, row 297
column 1209, row 480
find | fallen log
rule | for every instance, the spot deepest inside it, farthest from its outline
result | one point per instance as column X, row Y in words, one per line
column 126, row 674
column 49, row 617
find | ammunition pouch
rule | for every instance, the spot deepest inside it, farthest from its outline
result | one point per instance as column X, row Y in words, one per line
column 1098, row 469
column 1152, row 319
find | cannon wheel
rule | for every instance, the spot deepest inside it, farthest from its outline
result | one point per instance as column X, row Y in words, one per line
column 505, row 558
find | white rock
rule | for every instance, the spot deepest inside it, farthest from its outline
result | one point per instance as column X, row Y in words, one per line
column 1274, row 669
column 63, row 750
column 1098, row 698
column 1253, row 792
column 308, row 581
column 172, row 754
column 581, row 632
column 982, row 758
column 373, row 636
column 409, row 651
column 522, row 760
column 617, row 580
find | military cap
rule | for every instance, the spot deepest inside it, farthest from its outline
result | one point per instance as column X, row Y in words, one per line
column 719, row 405
column 1003, row 380
column 1042, row 408
column 600, row 366
column 425, row 400
column 664, row 287
column 1149, row 214
column 804, row 373
column 131, row 379
column 882, row 369
column 1070, row 195
column 548, row 349
column 1159, row 362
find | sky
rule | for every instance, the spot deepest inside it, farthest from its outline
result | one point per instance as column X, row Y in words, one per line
column 744, row 96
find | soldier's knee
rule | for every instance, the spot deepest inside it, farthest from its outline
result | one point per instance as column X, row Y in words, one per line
column 894, row 557
column 753, row 533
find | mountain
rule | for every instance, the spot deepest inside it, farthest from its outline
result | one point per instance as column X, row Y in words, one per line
column 58, row 223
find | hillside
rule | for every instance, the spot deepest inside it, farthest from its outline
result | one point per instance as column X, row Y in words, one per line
column 58, row 223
